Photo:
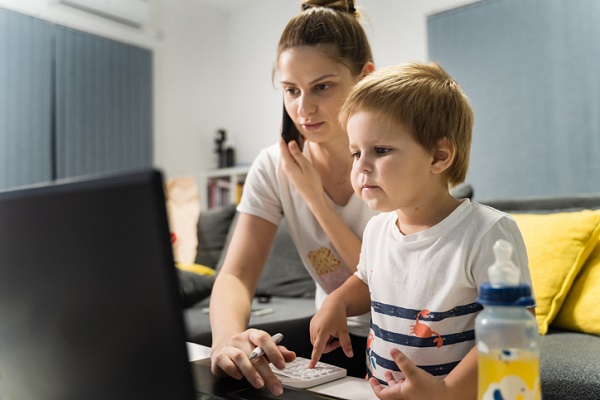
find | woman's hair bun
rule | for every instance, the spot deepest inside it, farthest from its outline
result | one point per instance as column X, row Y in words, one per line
column 338, row 5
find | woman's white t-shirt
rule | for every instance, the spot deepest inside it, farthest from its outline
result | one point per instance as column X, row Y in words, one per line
column 268, row 194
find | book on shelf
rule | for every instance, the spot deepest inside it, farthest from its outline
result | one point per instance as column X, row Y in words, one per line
column 222, row 191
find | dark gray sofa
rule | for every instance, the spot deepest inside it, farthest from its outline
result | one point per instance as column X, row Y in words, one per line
column 570, row 361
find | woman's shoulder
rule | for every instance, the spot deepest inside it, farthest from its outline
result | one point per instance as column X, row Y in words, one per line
column 269, row 155
column 265, row 163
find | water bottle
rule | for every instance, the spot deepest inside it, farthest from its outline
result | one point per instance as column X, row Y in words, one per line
column 507, row 334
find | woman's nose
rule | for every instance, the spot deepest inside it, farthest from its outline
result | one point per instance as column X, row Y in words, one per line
column 306, row 107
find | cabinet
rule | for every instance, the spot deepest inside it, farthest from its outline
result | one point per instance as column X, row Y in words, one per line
column 224, row 185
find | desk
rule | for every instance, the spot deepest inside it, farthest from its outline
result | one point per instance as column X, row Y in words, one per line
column 349, row 387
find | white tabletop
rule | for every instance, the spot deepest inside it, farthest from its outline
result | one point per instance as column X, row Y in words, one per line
column 197, row 352
column 348, row 388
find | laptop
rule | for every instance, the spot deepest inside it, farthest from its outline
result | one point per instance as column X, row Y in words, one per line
column 89, row 302
column 90, row 306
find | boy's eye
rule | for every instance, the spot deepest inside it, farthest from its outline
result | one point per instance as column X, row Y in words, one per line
column 381, row 151
column 356, row 155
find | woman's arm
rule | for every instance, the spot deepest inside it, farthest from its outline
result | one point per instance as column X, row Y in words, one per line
column 231, row 303
column 246, row 255
column 307, row 181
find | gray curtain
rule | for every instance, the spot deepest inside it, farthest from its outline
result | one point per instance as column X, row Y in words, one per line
column 532, row 71
column 26, row 55
column 71, row 103
column 103, row 105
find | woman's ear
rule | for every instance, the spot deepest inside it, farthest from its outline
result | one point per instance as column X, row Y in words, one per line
column 367, row 69
column 443, row 156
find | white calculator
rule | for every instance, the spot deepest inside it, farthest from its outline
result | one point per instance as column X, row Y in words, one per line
column 297, row 374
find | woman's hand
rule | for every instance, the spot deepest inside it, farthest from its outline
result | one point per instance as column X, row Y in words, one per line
column 417, row 384
column 301, row 172
column 231, row 358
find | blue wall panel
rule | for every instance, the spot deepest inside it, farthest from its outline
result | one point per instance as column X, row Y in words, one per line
column 531, row 69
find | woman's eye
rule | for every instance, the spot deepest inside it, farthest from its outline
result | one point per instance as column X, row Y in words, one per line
column 291, row 91
column 322, row 86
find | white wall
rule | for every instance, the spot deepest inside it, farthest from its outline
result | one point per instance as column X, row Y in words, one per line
column 191, row 88
column 396, row 28
column 213, row 66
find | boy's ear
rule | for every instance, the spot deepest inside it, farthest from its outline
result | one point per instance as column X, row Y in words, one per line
column 443, row 156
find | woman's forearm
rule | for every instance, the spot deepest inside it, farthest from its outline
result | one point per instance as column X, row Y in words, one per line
column 345, row 242
column 229, row 314
column 233, row 291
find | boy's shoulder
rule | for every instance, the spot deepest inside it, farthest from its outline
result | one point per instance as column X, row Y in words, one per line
column 380, row 220
column 489, row 211
column 383, row 217
column 487, row 217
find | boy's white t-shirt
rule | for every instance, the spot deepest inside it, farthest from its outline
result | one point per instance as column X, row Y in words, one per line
column 270, row 195
column 424, row 286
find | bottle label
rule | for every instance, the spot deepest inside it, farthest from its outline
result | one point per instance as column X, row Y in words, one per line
column 508, row 375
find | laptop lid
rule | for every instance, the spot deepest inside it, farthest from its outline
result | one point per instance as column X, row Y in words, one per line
column 89, row 302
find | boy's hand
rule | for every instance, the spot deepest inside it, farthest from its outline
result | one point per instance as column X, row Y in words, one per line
column 328, row 331
column 417, row 384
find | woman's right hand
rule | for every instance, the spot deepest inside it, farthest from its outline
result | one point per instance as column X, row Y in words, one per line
column 301, row 173
column 232, row 358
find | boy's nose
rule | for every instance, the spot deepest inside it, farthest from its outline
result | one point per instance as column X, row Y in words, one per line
column 364, row 165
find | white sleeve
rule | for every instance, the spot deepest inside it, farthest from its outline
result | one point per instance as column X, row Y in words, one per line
column 261, row 195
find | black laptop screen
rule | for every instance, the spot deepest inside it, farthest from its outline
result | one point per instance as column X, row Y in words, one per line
column 89, row 306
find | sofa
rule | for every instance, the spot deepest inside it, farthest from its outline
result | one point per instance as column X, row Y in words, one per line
column 562, row 238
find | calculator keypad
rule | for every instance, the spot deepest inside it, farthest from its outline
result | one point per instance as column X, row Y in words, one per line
column 297, row 374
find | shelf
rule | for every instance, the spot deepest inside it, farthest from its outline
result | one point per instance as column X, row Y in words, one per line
column 227, row 172
column 224, row 185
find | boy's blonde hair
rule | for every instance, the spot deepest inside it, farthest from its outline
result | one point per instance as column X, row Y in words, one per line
column 424, row 99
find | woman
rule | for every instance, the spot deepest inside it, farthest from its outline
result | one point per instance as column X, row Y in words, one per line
column 322, row 53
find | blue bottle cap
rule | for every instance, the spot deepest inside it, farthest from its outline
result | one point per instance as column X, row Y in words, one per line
column 503, row 295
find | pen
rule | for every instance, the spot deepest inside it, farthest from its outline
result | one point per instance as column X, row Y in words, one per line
column 257, row 352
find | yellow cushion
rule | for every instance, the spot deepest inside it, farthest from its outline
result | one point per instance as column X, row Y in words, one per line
column 580, row 311
column 557, row 246
column 196, row 268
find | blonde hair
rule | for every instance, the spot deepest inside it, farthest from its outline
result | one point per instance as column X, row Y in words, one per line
column 333, row 27
column 424, row 99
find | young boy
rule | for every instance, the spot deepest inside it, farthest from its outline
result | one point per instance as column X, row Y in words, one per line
column 424, row 257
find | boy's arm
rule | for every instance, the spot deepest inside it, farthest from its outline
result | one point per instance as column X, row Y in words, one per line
column 460, row 384
column 329, row 322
